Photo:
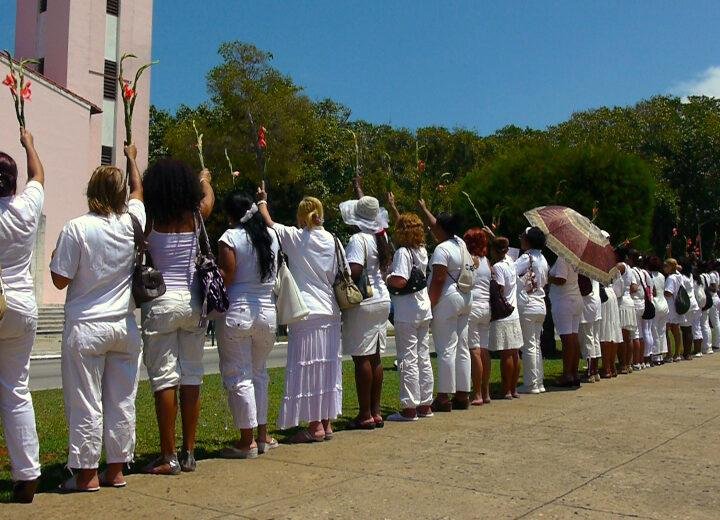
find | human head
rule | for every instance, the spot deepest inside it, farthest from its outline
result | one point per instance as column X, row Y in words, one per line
column 243, row 212
column 107, row 191
column 171, row 190
column 532, row 238
column 670, row 266
column 8, row 175
column 621, row 253
column 476, row 241
column 634, row 258
column 498, row 248
column 653, row 263
column 686, row 266
column 310, row 213
column 449, row 225
column 409, row 231
column 236, row 205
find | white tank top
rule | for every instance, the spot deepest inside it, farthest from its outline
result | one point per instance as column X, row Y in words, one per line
column 173, row 254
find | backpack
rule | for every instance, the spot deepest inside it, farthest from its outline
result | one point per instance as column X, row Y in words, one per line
column 708, row 295
column 682, row 301
column 466, row 279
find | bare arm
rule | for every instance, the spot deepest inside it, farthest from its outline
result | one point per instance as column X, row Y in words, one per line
column 429, row 219
column 226, row 263
column 35, row 169
column 59, row 281
column 396, row 282
column 355, row 271
column 136, row 189
column 556, row 281
column 357, row 186
column 207, row 203
column 393, row 208
column 439, row 275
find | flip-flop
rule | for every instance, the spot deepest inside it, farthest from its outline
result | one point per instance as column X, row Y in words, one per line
column 379, row 423
column 329, row 436
column 304, row 437
column 477, row 402
column 264, row 447
column 231, row 452
column 357, row 425
column 105, row 483
column 71, row 486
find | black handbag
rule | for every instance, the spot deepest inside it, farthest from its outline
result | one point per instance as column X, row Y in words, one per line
column 499, row 306
column 682, row 301
column 147, row 282
column 708, row 295
column 649, row 311
column 417, row 281
column 213, row 293
column 584, row 285
column 366, row 288
column 603, row 294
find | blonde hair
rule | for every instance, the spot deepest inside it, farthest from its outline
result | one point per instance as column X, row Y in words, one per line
column 310, row 213
column 409, row 231
column 106, row 191
column 671, row 263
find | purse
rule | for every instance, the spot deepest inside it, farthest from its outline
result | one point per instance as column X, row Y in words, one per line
column 649, row 311
column 466, row 278
column 584, row 284
column 364, row 284
column 499, row 306
column 346, row 292
column 289, row 304
column 682, row 301
column 603, row 294
column 147, row 282
column 708, row 295
column 213, row 294
column 417, row 281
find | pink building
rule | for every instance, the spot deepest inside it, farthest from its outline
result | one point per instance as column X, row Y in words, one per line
column 76, row 113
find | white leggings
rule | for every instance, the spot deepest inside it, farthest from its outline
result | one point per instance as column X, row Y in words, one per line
column 100, row 365
column 532, row 360
column 244, row 345
column 17, row 334
column 450, row 335
column 412, row 343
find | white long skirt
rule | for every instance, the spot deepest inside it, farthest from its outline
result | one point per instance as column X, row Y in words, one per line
column 313, row 377
column 610, row 330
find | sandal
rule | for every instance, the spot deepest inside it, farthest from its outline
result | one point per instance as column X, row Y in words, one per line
column 24, row 491
column 356, row 424
column 264, row 447
column 71, row 486
column 187, row 461
column 441, row 406
column 156, row 466
column 379, row 423
column 329, row 436
column 477, row 402
column 305, row 437
column 104, row 482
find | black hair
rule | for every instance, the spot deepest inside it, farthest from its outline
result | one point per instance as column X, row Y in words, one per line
column 621, row 253
column 236, row 206
column 635, row 257
column 385, row 251
column 171, row 190
column 449, row 223
column 535, row 238
column 687, row 266
column 8, row 175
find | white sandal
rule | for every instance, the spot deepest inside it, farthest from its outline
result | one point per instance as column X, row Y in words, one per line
column 264, row 447
column 71, row 486
column 104, row 482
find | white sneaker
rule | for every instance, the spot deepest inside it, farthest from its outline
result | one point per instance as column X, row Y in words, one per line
column 699, row 354
column 542, row 389
column 710, row 351
column 637, row 366
column 525, row 390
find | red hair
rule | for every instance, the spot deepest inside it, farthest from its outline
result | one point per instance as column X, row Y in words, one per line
column 476, row 241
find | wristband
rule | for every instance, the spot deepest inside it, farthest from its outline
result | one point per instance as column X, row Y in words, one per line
column 261, row 202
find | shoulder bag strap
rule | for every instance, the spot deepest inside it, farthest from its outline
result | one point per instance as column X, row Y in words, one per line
column 201, row 234
column 281, row 253
column 139, row 239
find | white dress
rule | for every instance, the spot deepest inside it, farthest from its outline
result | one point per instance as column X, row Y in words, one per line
column 610, row 330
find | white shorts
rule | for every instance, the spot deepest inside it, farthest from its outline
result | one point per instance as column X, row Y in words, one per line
column 479, row 327
column 173, row 341
column 566, row 323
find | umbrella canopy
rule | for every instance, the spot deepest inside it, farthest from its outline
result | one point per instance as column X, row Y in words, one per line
column 576, row 239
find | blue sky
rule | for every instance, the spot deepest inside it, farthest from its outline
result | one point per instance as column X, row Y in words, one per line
column 472, row 64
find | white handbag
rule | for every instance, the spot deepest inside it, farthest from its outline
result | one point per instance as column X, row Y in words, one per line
column 289, row 304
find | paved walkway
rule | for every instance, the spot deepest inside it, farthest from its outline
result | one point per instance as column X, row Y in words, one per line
column 645, row 445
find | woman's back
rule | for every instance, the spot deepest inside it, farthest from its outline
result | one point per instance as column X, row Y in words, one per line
column 362, row 249
column 247, row 284
column 173, row 254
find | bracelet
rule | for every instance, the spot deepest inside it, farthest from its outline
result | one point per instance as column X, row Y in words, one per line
column 261, row 202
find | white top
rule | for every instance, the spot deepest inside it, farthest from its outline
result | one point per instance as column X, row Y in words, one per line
column 361, row 249
column 173, row 254
column 449, row 254
column 642, row 279
column 19, row 219
column 689, row 283
column 481, row 284
column 415, row 307
column 311, row 259
column 531, row 297
column 672, row 285
column 658, row 282
column 506, row 275
column 246, row 285
column 592, row 306
column 618, row 286
column 98, row 254
column 570, row 289
column 628, row 279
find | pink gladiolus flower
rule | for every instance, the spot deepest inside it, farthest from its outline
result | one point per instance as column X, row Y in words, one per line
column 689, row 241
column 10, row 81
column 26, row 93
column 262, row 143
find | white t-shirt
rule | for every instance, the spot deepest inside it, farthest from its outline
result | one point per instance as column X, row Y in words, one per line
column 592, row 306
column 506, row 276
column 481, row 285
column 246, row 285
column 531, row 297
column 672, row 286
column 689, row 283
column 658, row 282
column 448, row 253
column 628, row 279
column 19, row 219
column 642, row 280
column 98, row 254
column 362, row 249
column 570, row 290
column 715, row 279
column 311, row 259
column 415, row 307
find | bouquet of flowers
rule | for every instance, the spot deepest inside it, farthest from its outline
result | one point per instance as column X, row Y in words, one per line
column 129, row 92
column 19, row 88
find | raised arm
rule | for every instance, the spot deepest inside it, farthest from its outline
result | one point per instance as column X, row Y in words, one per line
column 262, row 205
column 357, row 186
column 35, row 169
column 226, row 263
column 136, row 189
column 208, row 199
column 429, row 219
column 393, row 208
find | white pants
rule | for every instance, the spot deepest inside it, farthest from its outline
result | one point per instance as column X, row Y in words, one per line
column 714, row 318
column 589, row 336
column 450, row 334
column 646, row 334
column 412, row 343
column 244, row 345
column 532, row 360
column 100, row 366
column 706, row 331
column 17, row 334
column 659, row 333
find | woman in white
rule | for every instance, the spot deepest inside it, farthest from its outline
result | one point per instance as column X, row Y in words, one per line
column 101, row 344
column 364, row 327
column 673, row 282
column 566, row 305
column 654, row 266
column 714, row 313
column 643, row 340
column 703, row 293
column 628, row 317
column 610, row 331
column 451, row 304
column 589, row 332
column 690, row 323
column 506, row 334
column 532, row 272
column 19, row 219
column 172, row 336
column 313, row 376
column 247, row 257
column 412, row 316
column 479, row 323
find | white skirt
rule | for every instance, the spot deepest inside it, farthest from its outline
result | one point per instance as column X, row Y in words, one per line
column 628, row 318
column 505, row 335
column 610, row 330
column 313, row 376
column 364, row 329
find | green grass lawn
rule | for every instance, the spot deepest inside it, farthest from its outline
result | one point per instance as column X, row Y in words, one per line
column 215, row 430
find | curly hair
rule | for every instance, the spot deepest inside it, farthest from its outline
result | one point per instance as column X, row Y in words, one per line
column 107, row 191
column 236, row 205
column 498, row 248
column 8, row 175
column 476, row 241
column 171, row 190
column 409, row 231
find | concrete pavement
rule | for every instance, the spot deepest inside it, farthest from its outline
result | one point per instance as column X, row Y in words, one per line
column 645, row 445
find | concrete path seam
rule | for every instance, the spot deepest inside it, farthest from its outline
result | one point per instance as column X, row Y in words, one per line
column 220, row 512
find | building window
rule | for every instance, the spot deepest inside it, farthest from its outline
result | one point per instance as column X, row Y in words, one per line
column 106, row 155
column 40, row 67
column 110, row 83
column 43, row 6
column 113, row 7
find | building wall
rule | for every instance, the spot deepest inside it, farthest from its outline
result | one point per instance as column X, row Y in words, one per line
column 62, row 126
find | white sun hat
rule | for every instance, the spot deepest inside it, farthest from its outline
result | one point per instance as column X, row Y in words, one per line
column 365, row 213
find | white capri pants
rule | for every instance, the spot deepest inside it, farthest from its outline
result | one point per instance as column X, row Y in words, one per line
column 245, row 339
column 706, row 331
column 450, row 334
column 100, row 365
column 532, row 360
column 696, row 321
column 412, row 342
column 589, row 336
column 17, row 334
column 173, row 341
column 659, row 331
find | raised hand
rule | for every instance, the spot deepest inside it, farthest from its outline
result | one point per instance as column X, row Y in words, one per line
column 205, row 175
column 130, row 151
column 26, row 139
column 261, row 193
